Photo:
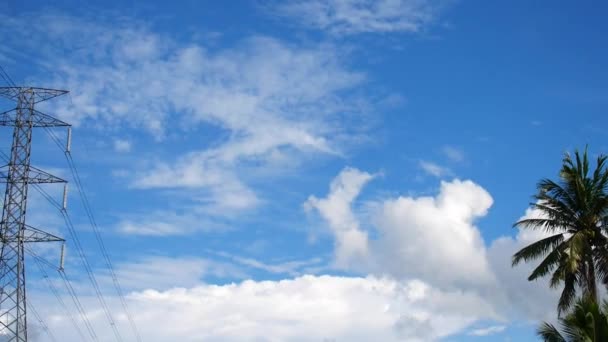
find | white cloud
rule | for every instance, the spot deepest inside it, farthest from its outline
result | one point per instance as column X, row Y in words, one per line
column 435, row 239
column 495, row 329
column 291, row 268
column 434, row 169
column 419, row 236
column 121, row 145
column 266, row 104
column 161, row 272
column 224, row 191
column 167, row 223
column 535, row 300
column 416, row 237
column 351, row 241
column 453, row 153
column 307, row 308
column 345, row 17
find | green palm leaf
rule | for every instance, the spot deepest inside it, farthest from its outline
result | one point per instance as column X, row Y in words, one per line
column 587, row 321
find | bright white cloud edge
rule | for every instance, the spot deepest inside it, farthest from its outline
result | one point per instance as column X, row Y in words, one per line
column 305, row 308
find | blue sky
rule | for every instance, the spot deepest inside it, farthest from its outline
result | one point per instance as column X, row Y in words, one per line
column 310, row 170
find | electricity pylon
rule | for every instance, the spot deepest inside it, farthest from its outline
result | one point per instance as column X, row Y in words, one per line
column 14, row 232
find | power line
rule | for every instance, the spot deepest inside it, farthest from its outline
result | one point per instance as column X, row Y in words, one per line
column 85, row 263
column 89, row 212
column 39, row 261
column 80, row 308
column 43, row 325
column 18, row 178
column 6, row 77
column 90, row 273
column 103, row 248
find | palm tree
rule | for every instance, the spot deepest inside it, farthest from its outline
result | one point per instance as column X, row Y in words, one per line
column 586, row 323
column 575, row 213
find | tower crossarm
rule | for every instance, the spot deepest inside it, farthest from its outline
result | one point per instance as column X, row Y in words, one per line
column 36, row 94
column 38, row 119
column 34, row 176
column 10, row 93
column 32, row 234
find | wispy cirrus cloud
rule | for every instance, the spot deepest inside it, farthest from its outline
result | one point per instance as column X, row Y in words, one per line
column 348, row 17
column 453, row 153
column 168, row 222
column 266, row 104
column 291, row 268
column 122, row 145
column 162, row 272
column 434, row 169
column 491, row 330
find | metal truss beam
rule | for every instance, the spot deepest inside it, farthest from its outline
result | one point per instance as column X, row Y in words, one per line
column 14, row 232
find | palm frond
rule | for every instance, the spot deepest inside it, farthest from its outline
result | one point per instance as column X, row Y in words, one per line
column 568, row 293
column 548, row 264
column 556, row 194
column 559, row 274
column 538, row 248
column 601, row 264
column 587, row 321
column 604, row 307
column 555, row 212
column 549, row 333
column 547, row 225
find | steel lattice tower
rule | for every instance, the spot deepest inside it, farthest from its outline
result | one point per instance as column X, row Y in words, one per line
column 14, row 232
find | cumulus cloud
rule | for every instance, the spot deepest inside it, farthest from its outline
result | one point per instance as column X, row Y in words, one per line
column 351, row 241
column 432, row 238
column 347, row 17
column 307, row 308
column 535, row 300
column 435, row 239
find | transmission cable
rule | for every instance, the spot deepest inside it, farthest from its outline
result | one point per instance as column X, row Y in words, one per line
column 43, row 325
column 80, row 250
column 6, row 77
column 85, row 263
column 90, row 273
column 39, row 263
column 82, row 255
column 89, row 212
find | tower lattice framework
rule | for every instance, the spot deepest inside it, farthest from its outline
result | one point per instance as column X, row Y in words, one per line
column 18, row 174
